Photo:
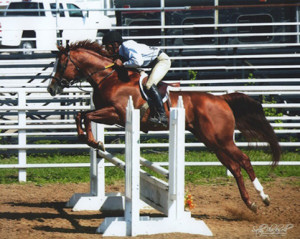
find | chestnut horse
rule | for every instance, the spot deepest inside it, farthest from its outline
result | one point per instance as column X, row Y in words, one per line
column 212, row 119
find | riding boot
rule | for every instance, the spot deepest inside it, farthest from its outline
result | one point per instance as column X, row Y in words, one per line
column 156, row 104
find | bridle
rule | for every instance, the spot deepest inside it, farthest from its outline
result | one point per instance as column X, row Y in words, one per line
column 62, row 82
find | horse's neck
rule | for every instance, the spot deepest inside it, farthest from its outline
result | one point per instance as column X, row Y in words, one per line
column 94, row 64
column 97, row 61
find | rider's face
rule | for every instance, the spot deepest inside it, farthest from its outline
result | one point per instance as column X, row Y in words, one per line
column 112, row 48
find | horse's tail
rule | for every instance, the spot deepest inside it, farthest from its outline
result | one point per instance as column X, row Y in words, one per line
column 251, row 121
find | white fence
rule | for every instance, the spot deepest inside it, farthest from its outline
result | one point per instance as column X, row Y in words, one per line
column 23, row 128
column 29, row 115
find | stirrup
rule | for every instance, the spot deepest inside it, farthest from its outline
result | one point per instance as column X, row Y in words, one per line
column 160, row 120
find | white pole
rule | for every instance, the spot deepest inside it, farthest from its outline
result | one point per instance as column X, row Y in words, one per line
column 97, row 169
column 22, row 135
column 176, row 161
column 132, row 180
column 216, row 14
column 162, row 20
column 298, row 20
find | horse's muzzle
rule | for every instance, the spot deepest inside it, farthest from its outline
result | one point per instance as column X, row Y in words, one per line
column 51, row 91
column 54, row 88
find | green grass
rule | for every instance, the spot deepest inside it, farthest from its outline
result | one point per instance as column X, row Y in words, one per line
column 196, row 175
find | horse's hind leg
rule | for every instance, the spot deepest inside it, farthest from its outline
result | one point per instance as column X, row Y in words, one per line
column 243, row 160
column 245, row 163
column 235, row 169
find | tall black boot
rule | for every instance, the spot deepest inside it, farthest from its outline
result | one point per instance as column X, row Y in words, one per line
column 158, row 117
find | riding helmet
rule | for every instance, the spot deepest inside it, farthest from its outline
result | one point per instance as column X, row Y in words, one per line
column 111, row 37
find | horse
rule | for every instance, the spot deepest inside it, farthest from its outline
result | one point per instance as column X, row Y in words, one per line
column 210, row 118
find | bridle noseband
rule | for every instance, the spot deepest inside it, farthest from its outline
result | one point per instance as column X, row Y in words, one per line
column 65, row 83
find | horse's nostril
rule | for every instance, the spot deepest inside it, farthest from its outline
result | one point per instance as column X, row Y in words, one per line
column 51, row 91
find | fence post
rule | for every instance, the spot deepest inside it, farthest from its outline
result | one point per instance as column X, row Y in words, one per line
column 132, row 179
column 162, row 21
column 176, row 162
column 22, row 135
column 298, row 20
column 97, row 170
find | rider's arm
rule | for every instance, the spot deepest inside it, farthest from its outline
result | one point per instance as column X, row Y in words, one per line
column 130, row 51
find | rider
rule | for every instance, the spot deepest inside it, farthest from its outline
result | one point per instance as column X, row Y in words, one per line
column 137, row 55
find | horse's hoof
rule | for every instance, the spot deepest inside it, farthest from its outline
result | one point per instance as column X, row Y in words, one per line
column 101, row 146
column 267, row 200
column 253, row 207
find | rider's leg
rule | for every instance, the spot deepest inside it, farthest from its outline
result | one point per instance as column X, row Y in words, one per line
column 156, row 102
column 158, row 72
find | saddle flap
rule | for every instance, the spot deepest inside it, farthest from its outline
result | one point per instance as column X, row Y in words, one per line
column 162, row 87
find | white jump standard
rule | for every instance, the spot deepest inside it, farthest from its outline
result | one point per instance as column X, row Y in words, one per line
column 165, row 197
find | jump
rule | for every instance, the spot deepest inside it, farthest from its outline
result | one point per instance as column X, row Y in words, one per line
column 212, row 119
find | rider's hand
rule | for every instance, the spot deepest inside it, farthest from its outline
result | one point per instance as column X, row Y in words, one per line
column 118, row 62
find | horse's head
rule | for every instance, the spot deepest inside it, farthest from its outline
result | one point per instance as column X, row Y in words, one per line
column 64, row 72
column 67, row 69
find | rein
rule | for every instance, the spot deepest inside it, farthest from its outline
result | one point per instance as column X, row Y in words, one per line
column 64, row 83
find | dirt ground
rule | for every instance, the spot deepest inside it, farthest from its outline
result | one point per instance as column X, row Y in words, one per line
column 33, row 211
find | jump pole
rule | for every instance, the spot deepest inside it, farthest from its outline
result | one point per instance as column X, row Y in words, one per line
column 136, row 186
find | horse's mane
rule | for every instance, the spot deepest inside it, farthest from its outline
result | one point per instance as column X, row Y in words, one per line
column 86, row 44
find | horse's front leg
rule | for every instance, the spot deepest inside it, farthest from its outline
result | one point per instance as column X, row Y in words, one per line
column 103, row 116
column 79, row 128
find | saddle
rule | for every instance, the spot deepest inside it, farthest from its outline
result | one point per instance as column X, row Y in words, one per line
column 162, row 87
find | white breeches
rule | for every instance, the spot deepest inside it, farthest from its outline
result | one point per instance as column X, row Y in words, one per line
column 159, row 70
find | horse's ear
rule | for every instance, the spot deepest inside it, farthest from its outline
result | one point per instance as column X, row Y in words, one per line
column 61, row 50
column 67, row 46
